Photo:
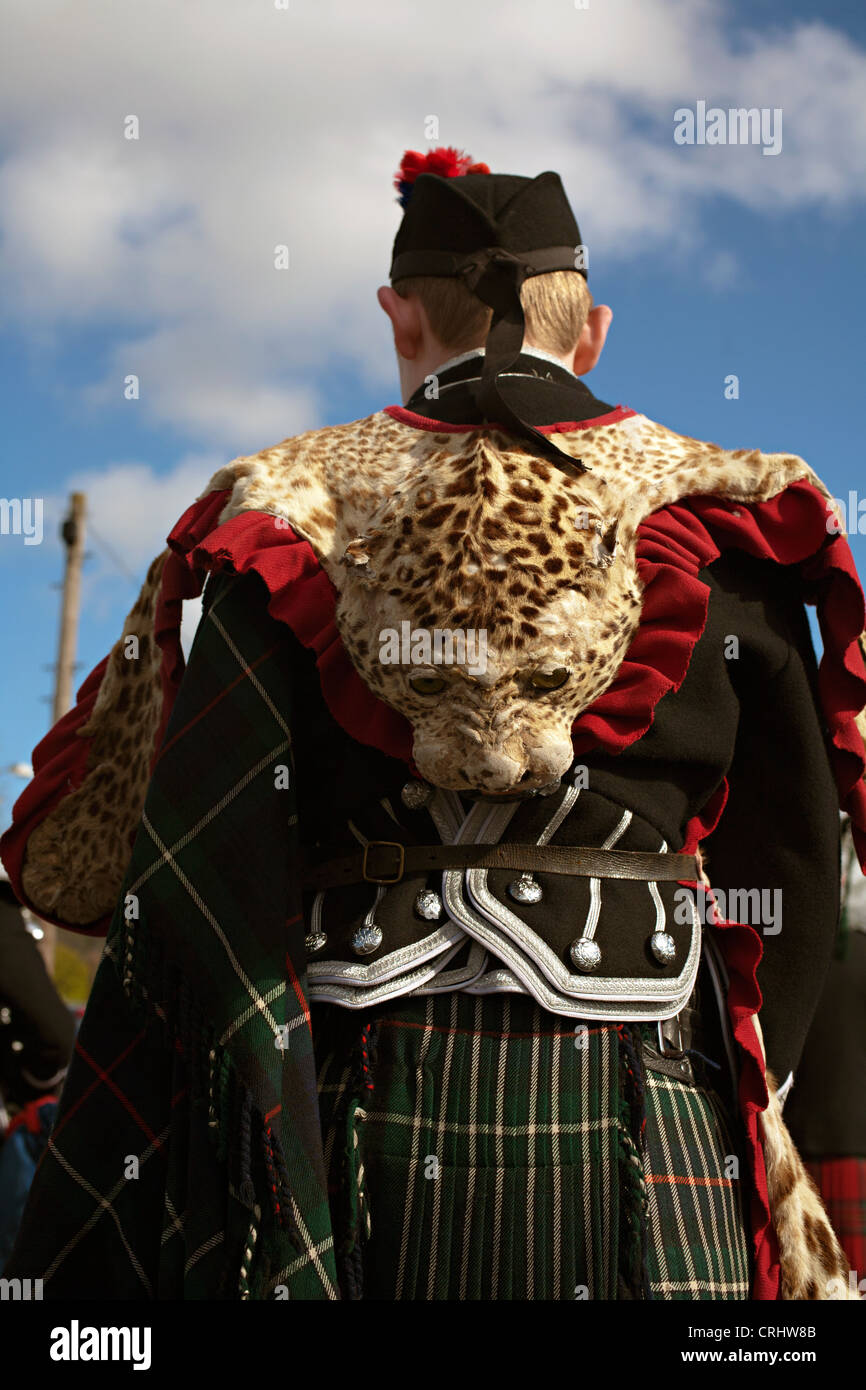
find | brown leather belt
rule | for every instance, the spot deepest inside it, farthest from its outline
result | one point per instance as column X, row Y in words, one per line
column 386, row 862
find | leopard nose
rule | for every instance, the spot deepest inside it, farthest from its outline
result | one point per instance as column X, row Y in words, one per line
column 497, row 772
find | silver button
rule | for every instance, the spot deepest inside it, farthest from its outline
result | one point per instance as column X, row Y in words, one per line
column 525, row 889
column 415, row 795
column 586, row 954
column 367, row 939
column 428, row 905
column 663, row 947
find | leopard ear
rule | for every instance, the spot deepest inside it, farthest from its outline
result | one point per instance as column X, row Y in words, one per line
column 605, row 547
column 357, row 553
column 360, row 556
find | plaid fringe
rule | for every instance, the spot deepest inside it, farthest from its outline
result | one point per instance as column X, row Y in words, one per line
column 159, row 992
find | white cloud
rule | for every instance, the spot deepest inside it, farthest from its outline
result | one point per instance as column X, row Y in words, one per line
column 262, row 126
column 130, row 511
column 228, row 395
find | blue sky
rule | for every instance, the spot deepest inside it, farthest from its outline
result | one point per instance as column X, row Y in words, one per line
column 260, row 127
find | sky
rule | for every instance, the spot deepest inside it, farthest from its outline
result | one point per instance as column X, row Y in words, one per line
column 263, row 124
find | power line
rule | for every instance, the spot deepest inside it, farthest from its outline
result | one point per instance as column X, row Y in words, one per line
column 112, row 555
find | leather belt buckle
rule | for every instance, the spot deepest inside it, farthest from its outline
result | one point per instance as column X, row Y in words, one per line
column 673, row 1044
column 395, row 865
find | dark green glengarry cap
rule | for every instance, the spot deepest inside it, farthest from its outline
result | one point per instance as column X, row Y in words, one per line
column 494, row 230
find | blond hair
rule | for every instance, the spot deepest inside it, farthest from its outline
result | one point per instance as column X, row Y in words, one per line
column 555, row 308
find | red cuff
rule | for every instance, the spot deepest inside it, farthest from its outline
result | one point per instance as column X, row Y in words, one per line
column 59, row 767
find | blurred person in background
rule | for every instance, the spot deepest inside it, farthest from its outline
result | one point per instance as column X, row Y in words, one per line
column 36, row 1037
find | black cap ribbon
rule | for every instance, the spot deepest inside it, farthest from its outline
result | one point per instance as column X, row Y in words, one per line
column 496, row 275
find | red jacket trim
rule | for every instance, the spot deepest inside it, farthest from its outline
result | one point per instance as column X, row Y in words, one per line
column 423, row 422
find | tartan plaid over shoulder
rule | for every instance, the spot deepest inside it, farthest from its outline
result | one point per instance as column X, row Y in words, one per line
column 192, row 1095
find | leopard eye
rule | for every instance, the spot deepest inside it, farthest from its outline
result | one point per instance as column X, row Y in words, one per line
column 427, row 685
column 550, row 680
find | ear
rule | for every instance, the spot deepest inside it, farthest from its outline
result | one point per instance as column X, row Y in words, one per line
column 360, row 555
column 406, row 320
column 592, row 339
column 357, row 555
column 605, row 547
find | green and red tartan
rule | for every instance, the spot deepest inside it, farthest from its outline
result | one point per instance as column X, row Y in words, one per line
column 474, row 1147
column 842, row 1185
column 186, row 1160
column 699, row 1242
column 479, row 1148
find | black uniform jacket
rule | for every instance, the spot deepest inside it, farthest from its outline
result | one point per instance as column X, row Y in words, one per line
column 755, row 720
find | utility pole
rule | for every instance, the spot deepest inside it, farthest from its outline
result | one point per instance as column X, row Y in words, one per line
column 72, row 534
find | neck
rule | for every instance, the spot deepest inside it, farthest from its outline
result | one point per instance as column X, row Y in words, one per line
column 414, row 373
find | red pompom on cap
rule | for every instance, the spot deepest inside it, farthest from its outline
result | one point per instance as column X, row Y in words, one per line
column 445, row 161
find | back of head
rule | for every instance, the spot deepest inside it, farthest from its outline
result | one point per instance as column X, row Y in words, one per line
column 455, row 205
column 555, row 308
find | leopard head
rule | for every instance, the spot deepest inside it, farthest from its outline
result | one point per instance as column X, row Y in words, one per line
column 490, row 611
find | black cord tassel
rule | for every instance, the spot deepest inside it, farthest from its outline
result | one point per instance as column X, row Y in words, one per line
column 353, row 1268
column 635, row 1202
column 246, row 1187
column 287, row 1215
column 635, row 1088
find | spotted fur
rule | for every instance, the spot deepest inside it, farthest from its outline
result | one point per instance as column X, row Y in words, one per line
column 76, row 857
column 467, row 531
column 812, row 1262
column 441, row 531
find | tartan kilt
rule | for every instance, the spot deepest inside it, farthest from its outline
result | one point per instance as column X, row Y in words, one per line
column 480, row 1148
column 842, row 1185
